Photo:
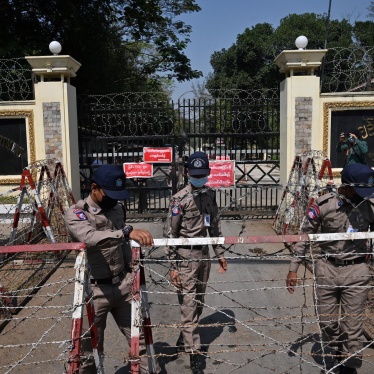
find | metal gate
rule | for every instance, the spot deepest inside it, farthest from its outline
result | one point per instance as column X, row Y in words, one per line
column 237, row 125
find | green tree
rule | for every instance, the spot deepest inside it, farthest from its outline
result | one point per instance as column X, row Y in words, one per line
column 249, row 63
column 371, row 10
column 123, row 45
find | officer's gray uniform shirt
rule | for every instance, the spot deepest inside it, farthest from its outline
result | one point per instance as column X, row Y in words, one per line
column 186, row 216
column 101, row 231
column 330, row 214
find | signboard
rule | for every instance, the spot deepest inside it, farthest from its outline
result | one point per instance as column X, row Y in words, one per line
column 138, row 170
column 158, row 155
column 344, row 121
column 222, row 174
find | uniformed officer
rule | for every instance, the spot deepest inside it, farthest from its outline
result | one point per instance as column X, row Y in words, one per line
column 341, row 274
column 99, row 221
column 193, row 213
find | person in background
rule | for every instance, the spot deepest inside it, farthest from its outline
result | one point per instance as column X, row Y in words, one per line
column 99, row 221
column 355, row 149
column 342, row 274
column 193, row 213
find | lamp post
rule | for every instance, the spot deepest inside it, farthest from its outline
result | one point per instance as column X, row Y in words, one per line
column 301, row 42
column 55, row 47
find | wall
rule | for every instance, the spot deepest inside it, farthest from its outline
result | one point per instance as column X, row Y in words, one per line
column 52, row 129
column 306, row 118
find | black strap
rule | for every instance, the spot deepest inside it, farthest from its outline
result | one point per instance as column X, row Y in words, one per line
column 124, row 212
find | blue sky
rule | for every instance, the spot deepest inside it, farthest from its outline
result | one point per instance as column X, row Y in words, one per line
column 219, row 22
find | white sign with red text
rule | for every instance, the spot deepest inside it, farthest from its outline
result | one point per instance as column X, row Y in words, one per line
column 138, row 170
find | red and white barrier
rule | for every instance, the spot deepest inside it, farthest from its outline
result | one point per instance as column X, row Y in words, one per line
column 82, row 296
column 140, row 315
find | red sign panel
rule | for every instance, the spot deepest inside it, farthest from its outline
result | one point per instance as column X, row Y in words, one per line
column 138, row 170
column 222, row 173
column 160, row 154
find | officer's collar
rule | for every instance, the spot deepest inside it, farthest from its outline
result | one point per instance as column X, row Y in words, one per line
column 92, row 206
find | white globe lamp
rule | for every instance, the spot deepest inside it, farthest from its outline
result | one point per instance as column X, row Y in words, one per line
column 301, row 42
column 55, row 47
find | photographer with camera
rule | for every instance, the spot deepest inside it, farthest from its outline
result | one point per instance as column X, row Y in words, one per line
column 354, row 148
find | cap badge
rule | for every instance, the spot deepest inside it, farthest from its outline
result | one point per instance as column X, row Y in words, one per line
column 197, row 163
column 119, row 182
column 371, row 180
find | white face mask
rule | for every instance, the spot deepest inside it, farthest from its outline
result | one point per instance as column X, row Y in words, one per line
column 199, row 182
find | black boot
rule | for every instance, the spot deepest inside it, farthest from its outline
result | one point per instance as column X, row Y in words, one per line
column 195, row 364
column 180, row 343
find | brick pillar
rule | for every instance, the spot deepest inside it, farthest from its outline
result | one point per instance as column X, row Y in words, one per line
column 56, row 123
column 300, row 127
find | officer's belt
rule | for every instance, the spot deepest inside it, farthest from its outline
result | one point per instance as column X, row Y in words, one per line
column 114, row 280
column 339, row 262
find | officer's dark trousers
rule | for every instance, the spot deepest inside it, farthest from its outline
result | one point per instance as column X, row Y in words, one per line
column 115, row 299
column 341, row 293
column 194, row 276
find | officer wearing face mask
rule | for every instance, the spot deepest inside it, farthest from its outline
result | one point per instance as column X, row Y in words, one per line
column 193, row 213
column 342, row 274
column 99, row 221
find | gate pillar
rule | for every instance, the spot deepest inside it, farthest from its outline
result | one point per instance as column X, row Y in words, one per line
column 300, row 130
column 55, row 115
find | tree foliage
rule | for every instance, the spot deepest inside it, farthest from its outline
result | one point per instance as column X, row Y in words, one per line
column 249, row 63
column 123, row 45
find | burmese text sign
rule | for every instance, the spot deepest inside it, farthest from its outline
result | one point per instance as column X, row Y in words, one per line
column 138, row 170
column 222, row 173
column 158, row 154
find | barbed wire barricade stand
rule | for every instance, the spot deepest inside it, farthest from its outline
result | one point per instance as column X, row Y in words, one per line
column 35, row 208
column 45, row 316
column 140, row 316
column 310, row 176
column 33, row 213
column 82, row 297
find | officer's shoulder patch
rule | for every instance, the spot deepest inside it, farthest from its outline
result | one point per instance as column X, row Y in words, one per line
column 80, row 214
column 175, row 208
column 313, row 211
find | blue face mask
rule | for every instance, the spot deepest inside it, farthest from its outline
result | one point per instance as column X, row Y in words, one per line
column 198, row 182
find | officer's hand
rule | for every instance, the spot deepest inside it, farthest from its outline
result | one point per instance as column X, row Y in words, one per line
column 175, row 278
column 143, row 237
column 222, row 266
column 291, row 281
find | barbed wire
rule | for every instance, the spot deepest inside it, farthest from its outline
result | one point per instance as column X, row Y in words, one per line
column 348, row 69
column 256, row 324
column 15, row 80
column 247, row 325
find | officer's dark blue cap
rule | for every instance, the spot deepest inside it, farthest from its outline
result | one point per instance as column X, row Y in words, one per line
column 198, row 164
column 112, row 178
column 362, row 176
